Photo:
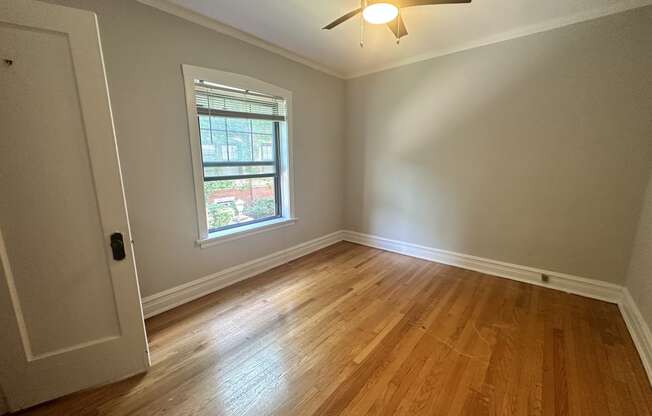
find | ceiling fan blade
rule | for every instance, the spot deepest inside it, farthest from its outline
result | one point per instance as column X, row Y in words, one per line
column 398, row 30
column 410, row 3
column 342, row 19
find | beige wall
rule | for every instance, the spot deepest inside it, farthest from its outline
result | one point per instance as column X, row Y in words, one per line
column 639, row 276
column 143, row 50
column 533, row 151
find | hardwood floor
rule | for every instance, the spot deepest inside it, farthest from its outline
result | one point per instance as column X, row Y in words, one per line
column 352, row 330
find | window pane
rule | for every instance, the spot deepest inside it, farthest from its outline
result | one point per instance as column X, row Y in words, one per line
column 205, row 136
column 218, row 123
column 262, row 126
column 214, row 146
column 236, row 139
column 213, row 171
column 239, row 201
column 263, row 147
column 239, row 146
column 242, row 125
column 204, row 122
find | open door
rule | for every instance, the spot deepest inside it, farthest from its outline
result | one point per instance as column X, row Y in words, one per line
column 70, row 311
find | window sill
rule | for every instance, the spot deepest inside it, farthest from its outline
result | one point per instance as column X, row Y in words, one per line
column 232, row 234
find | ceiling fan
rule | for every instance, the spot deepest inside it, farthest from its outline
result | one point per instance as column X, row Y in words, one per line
column 378, row 12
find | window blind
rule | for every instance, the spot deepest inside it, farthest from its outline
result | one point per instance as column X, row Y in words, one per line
column 218, row 100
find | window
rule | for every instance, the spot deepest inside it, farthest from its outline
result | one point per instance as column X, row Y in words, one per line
column 240, row 147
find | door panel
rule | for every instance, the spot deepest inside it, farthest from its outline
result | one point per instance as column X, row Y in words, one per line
column 71, row 312
column 49, row 202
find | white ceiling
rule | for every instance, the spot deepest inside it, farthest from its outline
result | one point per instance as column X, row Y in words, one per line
column 295, row 25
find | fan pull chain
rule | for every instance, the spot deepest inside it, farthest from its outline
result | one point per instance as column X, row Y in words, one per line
column 398, row 27
column 363, row 5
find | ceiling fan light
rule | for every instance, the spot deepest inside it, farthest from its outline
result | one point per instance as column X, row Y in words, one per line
column 380, row 13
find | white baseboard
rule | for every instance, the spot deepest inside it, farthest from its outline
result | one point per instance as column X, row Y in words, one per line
column 171, row 298
column 560, row 281
column 639, row 330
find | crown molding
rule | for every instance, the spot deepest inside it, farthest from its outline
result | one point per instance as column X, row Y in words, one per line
column 186, row 14
column 545, row 26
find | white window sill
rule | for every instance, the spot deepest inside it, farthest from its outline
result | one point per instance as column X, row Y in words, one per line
column 237, row 233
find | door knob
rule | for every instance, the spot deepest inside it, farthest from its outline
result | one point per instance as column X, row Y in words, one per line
column 118, row 247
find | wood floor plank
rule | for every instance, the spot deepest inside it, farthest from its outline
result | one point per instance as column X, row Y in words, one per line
column 352, row 330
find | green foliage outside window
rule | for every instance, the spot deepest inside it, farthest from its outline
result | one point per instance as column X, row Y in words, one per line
column 260, row 208
column 220, row 215
column 210, row 187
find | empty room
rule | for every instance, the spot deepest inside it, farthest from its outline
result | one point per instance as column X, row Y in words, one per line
column 326, row 207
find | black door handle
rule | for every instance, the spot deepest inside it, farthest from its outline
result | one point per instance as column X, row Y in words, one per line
column 118, row 246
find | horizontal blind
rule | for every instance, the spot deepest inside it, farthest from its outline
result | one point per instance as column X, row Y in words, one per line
column 218, row 100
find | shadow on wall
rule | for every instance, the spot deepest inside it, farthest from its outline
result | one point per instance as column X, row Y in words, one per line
column 530, row 151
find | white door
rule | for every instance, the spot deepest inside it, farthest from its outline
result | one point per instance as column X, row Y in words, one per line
column 70, row 312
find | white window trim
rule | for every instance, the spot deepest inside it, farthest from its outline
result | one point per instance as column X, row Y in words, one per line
column 246, row 230
column 206, row 239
